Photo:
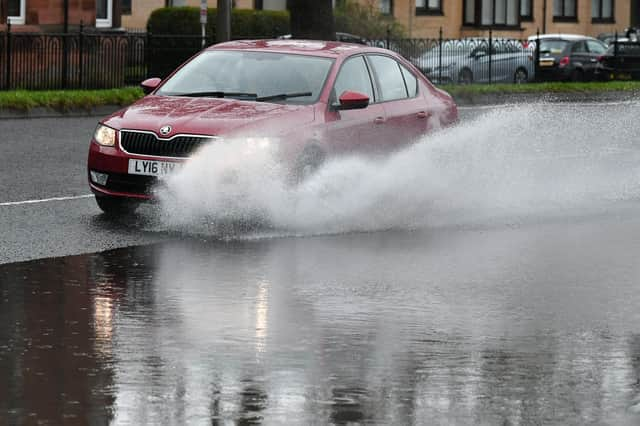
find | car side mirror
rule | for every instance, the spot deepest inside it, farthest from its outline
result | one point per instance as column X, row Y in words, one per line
column 352, row 100
column 150, row 84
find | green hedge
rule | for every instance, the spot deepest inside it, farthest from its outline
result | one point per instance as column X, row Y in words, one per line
column 245, row 23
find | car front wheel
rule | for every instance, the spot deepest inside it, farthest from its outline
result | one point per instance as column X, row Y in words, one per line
column 308, row 163
column 521, row 76
column 466, row 76
column 113, row 206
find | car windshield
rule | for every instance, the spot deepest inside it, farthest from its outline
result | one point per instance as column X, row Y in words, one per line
column 261, row 76
column 554, row 47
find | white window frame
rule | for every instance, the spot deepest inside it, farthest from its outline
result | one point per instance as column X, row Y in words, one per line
column 108, row 22
column 19, row 20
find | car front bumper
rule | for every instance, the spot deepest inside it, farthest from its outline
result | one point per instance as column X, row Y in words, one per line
column 114, row 163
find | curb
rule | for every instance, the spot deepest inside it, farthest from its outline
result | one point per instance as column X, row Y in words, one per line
column 43, row 112
column 548, row 97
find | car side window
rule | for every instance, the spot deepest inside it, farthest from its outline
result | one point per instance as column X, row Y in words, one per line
column 389, row 77
column 411, row 81
column 579, row 47
column 353, row 76
column 595, row 47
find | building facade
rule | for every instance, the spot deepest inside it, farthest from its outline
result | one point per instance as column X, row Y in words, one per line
column 53, row 15
column 510, row 18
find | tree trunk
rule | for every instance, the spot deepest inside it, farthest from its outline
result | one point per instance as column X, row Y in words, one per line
column 312, row 19
column 223, row 21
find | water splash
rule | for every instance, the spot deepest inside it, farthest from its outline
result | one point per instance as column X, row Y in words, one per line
column 501, row 166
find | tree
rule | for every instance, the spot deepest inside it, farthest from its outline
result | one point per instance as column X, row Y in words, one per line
column 312, row 19
column 365, row 20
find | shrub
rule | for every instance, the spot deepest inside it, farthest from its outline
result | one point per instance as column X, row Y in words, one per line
column 245, row 23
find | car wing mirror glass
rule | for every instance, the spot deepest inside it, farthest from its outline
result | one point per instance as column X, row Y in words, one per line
column 352, row 100
column 150, row 84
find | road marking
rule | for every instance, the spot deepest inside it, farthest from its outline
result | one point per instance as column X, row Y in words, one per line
column 45, row 200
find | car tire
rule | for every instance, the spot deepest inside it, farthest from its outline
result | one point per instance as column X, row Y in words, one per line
column 115, row 206
column 465, row 76
column 577, row 75
column 520, row 76
column 309, row 161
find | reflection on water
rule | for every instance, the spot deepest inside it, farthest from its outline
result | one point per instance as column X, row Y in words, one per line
column 453, row 327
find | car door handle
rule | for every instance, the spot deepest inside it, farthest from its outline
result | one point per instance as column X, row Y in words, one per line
column 422, row 114
column 378, row 120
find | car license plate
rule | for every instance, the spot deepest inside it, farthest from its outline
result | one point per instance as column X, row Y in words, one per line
column 152, row 168
column 546, row 63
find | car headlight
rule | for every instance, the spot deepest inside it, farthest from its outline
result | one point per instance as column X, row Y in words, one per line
column 105, row 136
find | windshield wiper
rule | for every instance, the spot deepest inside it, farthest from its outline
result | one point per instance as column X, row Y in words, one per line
column 217, row 94
column 281, row 96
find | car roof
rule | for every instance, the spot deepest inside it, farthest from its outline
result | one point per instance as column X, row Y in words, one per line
column 568, row 37
column 330, row 49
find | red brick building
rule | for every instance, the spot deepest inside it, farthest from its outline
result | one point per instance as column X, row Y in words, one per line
column 49, row 15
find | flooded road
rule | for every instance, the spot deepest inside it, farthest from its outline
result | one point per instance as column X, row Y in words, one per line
column 489, row 325
column 486, row 276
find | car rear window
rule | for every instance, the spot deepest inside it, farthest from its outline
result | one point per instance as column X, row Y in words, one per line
column 554, row 47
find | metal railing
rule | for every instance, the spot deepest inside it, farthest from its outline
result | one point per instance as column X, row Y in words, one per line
column 470, row 60
column 89, row 60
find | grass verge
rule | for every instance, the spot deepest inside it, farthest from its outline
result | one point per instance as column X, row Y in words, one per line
column 65, row 100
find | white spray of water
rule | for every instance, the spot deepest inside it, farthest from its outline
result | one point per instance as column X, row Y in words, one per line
column 503, row 165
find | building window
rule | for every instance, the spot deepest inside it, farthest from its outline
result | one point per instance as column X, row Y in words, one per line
column 602, row 11
column 104, row 13
column 126, row 7
column 386, row 7
column 492, row 13
column 428, row 7
column 526, row 10
column 16, row 12
column 565, row 10
column 270, row 4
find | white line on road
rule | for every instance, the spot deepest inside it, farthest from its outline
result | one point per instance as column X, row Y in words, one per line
column 45, row 200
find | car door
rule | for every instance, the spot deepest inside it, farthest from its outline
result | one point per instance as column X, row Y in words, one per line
column 407, row 115
column 596, row 49
column 353, row 130
column 580, row 58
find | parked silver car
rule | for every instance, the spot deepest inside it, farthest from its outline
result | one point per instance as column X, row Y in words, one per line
column 470, row 60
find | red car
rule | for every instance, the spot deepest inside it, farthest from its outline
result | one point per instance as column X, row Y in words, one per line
column 317, row 99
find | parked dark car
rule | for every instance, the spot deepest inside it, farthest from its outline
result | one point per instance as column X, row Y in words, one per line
column 573, row 58
column 621, row 62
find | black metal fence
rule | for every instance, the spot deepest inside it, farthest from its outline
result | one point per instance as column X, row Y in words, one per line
column 477, row 59
column 86, row 60
column 89, row 60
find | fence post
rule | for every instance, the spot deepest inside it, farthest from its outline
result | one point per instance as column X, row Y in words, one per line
column 388, row 37
column 536, row 56
column 80, row 54
column 440, row 57
column 8, row 64
column 490, row 49
column 147, row 53
column 615, row 55
column 65, row 60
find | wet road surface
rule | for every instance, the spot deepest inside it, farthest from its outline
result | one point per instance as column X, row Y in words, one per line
column 528, row 321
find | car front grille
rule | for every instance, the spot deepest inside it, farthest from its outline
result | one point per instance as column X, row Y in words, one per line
column 144, row 143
